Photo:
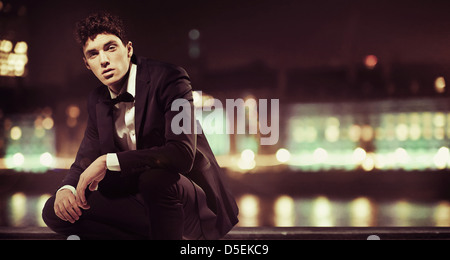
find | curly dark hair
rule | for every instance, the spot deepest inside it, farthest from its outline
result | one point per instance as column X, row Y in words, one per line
column 97, row 23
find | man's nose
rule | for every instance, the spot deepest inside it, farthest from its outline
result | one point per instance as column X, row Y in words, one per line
column 104, row 60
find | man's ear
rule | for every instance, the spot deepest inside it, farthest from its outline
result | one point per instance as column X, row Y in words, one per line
column 86, row 63
column 130, row 49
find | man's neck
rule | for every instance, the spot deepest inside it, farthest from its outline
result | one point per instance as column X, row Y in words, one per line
column 117, row 88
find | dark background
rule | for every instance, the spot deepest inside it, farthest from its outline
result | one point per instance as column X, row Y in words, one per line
column 281, row 35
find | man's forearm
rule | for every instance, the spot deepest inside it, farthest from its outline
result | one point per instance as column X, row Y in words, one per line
column 112, row 163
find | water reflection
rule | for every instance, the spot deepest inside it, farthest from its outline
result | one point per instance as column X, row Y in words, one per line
column 249, row 210
column 322, row 211
column 442, row 214
column 21, row 210
column 17, row 209
column 284, row 211
column 24, row 211
column 362, row 212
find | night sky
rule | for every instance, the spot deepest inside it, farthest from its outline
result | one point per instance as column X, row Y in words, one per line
column 281, row 34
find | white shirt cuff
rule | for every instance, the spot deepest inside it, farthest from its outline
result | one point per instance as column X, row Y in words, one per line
column 69, row 187
column 112, row 162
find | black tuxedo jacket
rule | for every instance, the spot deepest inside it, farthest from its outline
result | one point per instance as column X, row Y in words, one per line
column 157, row 86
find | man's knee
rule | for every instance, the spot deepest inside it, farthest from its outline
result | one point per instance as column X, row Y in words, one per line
column 155, row 184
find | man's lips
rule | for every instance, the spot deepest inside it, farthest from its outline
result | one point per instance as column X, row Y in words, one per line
column 108, row 73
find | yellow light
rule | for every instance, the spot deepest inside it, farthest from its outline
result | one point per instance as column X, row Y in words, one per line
column 73, row 111
column 4, row 69
column 440, row 85
column 320, row 155
column 439, row 133
column 283, row 155
column 248, row 210
column 246, row 165
column 247, row 155
column 284, row 212
column 381, row 161
column 21, row 48
column 401, row 155
column 369, row 163
column 16, row 133
column 402, row 132
column 13, row 63
column 333, row 121
column 359, row 155
column 19, row 72
column 39, row 132
column 18, row 159
column 362, row 212
column 403, row 211
column 355, row 133
column 439, row 120
column 415, row 132
column 321, row 214
column 48, row 123
column 442, row 214
column 18, row 209
column 367, row 133
column 332, row 133
column 311, row 134
column 40, row 206
column 247, row 160
column 197, row 99
column 6, row 46
column 46, row 159
column 442, row 158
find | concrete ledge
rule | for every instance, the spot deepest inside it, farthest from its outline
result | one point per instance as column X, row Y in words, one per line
column 339, row 233
column 275, row 233
column 29, row 233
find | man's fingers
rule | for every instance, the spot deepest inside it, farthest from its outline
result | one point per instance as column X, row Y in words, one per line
column 80, row 204
column 74, row 204
column 78, row 199
column 65, row 214
column 71, row 215
column 59, row 215
column 93, row 185
column 80, row 192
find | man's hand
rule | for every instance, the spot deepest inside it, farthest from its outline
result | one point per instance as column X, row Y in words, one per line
column 66, row 206
column 91, row 176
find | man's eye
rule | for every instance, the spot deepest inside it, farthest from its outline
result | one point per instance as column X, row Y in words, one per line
column 112, row 48
column 92, row 55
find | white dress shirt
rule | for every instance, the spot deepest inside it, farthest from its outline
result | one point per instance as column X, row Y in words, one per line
column 124, row 114
column 124, row 122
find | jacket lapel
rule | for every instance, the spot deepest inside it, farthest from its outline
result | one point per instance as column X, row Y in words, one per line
column 105, row 124
column 141, row 98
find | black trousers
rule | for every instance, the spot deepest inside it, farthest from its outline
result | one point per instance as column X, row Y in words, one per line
column 156, row 204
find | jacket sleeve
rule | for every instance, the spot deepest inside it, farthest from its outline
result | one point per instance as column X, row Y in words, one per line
column 178, row 152
column 89, row 149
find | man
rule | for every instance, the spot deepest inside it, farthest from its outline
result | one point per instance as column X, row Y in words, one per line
column 151, row 182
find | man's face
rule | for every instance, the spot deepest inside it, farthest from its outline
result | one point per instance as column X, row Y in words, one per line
column 108, row 59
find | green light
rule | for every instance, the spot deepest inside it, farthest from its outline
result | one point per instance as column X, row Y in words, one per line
column 26, row 150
